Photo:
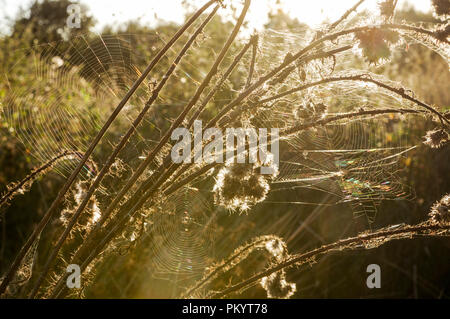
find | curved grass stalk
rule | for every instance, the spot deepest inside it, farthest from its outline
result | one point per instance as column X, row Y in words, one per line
column 237, row 255
column 345, row 15
column 375, row 238
column 350, row 115
column 253, row 60
column 365, row 77
column 16, row 188
column 330, row 37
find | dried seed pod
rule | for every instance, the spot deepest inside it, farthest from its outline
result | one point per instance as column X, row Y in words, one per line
column 440, row 211
column 375, row 43
column 436, row 138
column 240, row 186
column 441, row 7
column 277, row 286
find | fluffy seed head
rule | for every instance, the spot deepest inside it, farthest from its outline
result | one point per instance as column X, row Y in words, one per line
column 441, row 7
column 436, row 138
column 277, row 286
column 440, row 211
column 240, row 186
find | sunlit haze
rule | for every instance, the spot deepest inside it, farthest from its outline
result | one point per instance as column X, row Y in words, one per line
column 116, row 12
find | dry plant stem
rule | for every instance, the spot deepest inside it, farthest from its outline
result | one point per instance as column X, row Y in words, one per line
column 350, row 115
column 182, row 116
column 423, row 229
column 35, row 173
column 114, row 227
column 14, row 267
column 151, row 156
column 225, row 76
column 309, row 47
column 361, row 78
column 168, row 160
column 222, row 266
column 253, row 61
column 116, row 151
column 188, row 179
column 345, row 15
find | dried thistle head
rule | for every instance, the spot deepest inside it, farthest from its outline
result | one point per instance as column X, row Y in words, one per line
column 240, row 186
column 277, row 248
column 277, row 286
column 443, row 33
column 375, row 43
column 441, row 7
column 436, row 138
column 440, row 211
column 387, row 8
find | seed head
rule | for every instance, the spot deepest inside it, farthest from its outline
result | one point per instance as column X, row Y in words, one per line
column 277, row 286
column 441, row 7
column 240, row 186
column 375, row 43
column 387, row 8
column 440, row 211
column 436, row 138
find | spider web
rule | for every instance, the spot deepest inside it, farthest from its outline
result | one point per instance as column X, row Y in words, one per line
column 69, row 90
column 356, row 160
column 74, row 86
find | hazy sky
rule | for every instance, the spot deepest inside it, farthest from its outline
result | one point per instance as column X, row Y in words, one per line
column 119, row 11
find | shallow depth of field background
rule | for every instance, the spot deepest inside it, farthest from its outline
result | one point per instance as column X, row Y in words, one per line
column 410, row 269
